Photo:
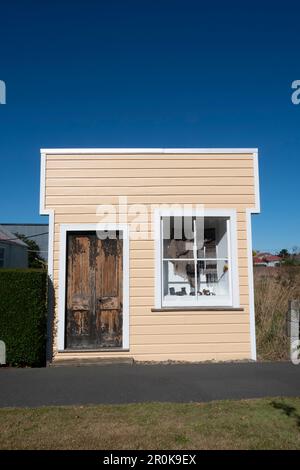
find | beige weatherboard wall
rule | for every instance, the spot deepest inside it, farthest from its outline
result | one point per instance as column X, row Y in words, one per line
column 158, row 326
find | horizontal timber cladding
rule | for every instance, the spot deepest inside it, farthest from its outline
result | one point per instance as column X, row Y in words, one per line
column 194, row 338
column 75, row 185
column 148, row 190
column 143, row 172
column 205, row 320
column 221, row 201
column 72, row 163
column 148, row 182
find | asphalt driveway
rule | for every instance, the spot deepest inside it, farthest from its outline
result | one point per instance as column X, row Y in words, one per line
column 124, row 383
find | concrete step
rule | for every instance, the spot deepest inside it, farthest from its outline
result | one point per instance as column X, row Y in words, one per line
column 91, row 361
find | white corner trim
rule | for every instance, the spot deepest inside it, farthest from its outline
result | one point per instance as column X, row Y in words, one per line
column 249, row 212
column 49, row 212
column 64, row 228
column 42, row 183
column 251, row 284
column 126, row 151
column 256, row 184
column 232, row 241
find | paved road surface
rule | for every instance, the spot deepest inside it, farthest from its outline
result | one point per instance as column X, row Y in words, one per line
column 125, row 383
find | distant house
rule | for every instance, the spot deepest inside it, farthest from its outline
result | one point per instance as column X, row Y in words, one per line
column 13, row 252
column 266, row 259
column 36, row 232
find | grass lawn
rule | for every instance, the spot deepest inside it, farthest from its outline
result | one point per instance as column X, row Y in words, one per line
column 246, row 424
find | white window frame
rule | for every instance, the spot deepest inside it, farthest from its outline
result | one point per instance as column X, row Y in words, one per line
column 206, row 301
column 69, row 228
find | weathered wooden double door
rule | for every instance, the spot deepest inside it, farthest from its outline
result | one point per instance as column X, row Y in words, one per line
column 94, row 291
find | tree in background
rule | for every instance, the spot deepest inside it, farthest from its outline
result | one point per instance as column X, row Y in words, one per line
column 290, row 259
column 284, row 253
column 34, row 258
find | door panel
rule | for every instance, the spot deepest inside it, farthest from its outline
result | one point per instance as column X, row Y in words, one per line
column 109, row 292
column 94, row 292
column 79, row 292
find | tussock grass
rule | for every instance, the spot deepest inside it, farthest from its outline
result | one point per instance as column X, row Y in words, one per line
column 273, row 290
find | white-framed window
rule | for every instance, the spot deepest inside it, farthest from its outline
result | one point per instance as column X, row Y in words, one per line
column 197, row 260
column 2, row 254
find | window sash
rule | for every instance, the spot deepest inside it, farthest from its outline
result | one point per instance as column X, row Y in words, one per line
column 195, row 299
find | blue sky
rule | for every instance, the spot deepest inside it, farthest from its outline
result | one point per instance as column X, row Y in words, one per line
column 165, row 73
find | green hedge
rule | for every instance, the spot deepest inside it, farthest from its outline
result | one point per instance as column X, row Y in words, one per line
column 23, row 316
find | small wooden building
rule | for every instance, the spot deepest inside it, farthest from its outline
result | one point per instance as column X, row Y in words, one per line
column 150, row 253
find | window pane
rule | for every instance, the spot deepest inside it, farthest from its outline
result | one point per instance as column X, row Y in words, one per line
column 178, row 279
column 213, row 242
column 210, row 284
column 178, row 237
column 213, row 278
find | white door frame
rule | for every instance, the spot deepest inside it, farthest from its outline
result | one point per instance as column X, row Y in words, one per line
column 64, row 229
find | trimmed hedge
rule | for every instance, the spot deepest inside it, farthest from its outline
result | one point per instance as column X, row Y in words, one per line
column 23, row 316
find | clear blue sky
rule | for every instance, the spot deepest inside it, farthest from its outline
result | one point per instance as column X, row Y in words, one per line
column 147, row 73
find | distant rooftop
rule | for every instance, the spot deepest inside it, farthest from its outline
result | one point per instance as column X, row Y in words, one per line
column 21, row 223
column 37, row 232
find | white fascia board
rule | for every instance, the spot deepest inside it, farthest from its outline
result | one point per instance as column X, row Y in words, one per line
column 127, row 151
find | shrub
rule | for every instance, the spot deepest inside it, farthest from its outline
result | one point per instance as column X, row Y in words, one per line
column 23, row 316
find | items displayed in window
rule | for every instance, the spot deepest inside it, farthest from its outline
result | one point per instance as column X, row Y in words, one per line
column 195, row 262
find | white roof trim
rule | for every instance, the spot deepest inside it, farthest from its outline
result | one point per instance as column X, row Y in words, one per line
column 147, row 150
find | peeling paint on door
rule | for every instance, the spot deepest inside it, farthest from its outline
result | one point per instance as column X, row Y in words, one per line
column 94, row 292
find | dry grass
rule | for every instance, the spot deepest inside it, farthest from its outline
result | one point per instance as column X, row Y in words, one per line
column 272, row 294
column 246, row 424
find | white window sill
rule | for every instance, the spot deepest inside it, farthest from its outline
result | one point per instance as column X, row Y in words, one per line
column 198, row 309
